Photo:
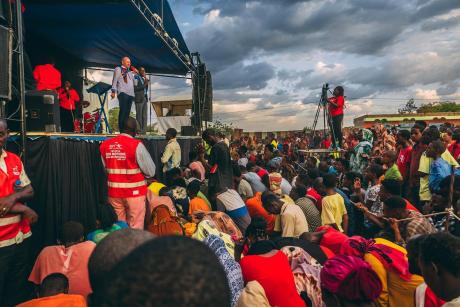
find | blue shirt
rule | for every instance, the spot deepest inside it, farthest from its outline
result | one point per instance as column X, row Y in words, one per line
column 118, row 83
column 439, row 170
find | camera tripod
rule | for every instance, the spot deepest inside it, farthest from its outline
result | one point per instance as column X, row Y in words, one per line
column 322, row 104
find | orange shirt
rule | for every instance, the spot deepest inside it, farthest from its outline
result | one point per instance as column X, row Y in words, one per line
column 68, row 300
column 71, row 261
column 197, row 204
column 255, row 208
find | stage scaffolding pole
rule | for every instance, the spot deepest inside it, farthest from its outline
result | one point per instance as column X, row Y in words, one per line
column 21, row 77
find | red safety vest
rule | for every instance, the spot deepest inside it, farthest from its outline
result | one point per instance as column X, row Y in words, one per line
column 13, row 228
column 124, row 177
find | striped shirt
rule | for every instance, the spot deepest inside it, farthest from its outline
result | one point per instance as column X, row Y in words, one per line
column 311, row 213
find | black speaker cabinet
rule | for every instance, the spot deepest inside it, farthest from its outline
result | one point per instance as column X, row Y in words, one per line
column 42, row 112
column 188, row 131
column 5, row 62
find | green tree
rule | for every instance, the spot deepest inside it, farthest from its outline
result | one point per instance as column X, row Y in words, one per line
column 221, row 127
column 437, row 107
column 113, row 118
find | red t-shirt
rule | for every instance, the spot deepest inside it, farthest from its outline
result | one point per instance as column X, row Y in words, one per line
column 47, row 77
column 275, row 276
column 67, row 100
column 403, row 162
column 313, row 194
column 454, row 149
column 333, row 110
column 326, row 143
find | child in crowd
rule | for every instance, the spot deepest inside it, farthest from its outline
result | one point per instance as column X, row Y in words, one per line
column 333, row 206
column 196, row 203
column 389, row 159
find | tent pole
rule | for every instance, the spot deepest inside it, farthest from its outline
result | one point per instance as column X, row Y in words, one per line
column 21, row 78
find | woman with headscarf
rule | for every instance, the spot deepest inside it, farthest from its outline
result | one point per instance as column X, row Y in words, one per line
column 360, row 155
column 349, row 281
column 231, row 267
column 390, row 263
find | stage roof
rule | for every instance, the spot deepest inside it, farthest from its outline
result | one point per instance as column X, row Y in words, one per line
column 98, row 33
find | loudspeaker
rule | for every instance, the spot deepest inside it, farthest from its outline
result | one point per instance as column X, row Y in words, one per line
column 207, row 105
column 188, row 131
column 43, row 113
column 6, row 51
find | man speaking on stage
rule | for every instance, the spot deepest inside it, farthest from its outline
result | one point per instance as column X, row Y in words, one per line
column 123, row 87
column 336, row 112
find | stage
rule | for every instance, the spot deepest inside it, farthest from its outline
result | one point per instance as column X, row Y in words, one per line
column 69, row 179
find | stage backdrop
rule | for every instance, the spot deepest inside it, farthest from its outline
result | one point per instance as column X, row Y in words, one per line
column 69, row 180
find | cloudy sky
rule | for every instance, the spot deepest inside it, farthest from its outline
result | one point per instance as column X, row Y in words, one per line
column 269, row 58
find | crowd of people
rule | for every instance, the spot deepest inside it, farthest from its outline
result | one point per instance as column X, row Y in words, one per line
column 248, row 222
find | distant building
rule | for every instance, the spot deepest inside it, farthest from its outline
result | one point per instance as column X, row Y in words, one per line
column 406, row 120
column 263, row 135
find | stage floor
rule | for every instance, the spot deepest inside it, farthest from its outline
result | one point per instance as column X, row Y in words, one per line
column 93, row 136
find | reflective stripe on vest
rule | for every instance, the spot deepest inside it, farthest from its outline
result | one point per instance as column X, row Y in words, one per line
column 10, row 220
column 126, row 185
column 16, row 240
column 116, row 171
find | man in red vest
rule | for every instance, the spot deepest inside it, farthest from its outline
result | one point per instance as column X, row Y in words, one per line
column 127, row 163
column 15, row 219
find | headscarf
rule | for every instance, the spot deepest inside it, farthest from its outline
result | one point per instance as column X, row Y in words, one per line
column 231, row 267
column 332, row 238
column 368, row 136
column 392, row 259
column 351, row 278
column 306, row 271
column 357, row 162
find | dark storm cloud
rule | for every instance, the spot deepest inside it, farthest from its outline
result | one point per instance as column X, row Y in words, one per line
column 435, row 7
column 433, row 25
column 249, row 31
column 253, row 76
column 448, row 89
column 354, row 26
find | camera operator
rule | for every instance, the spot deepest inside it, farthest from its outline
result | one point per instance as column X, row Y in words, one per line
column 336, row 112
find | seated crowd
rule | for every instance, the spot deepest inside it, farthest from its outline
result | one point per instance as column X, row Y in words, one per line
column 256, row 223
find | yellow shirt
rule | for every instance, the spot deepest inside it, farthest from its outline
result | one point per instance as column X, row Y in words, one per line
column 395, row 291
column 424, row 167
column 155, row 187
column 333, row 210
column 291, row 221
column 172, row 155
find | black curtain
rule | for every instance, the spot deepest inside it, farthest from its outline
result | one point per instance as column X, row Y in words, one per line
column 69, row 181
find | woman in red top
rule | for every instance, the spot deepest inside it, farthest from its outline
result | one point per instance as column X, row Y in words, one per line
column 454, row 148
column 273, row 272
column 336, row 112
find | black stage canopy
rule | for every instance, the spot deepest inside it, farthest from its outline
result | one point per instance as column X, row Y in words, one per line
column 99, row 32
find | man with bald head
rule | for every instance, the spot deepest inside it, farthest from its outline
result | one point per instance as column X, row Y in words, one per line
column 123, row 87
column 128, row 164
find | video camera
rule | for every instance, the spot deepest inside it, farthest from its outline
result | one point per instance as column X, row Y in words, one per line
column 324, row 91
